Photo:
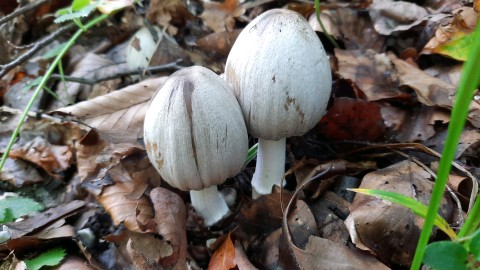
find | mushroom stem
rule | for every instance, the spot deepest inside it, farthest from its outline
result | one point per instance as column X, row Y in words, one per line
column 209, row 204
column 270, row 166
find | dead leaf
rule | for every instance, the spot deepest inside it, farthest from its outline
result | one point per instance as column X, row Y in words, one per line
column 302, row 224
column 91, row 66
column 224, row 256
column 322, row 253
column 352, row 119
column 170, row 216
column 74, row 262
column 18, row 172
column 54, row 159
column 219, row 42
column 463, row 22
column 243, row 263
column 392, row 16
column 146, row 250
column 430, row 90
column 161, row 12
column 391, row 231
column 120, row 111
column 221, row 16
column 372, row 73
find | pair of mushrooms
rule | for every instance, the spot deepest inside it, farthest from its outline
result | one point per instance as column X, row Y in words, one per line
column 277, row 84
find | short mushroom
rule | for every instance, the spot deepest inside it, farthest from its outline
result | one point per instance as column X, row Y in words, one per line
column 281, row 76
column 196, row 137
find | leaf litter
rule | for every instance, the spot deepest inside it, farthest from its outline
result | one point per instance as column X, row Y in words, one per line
column 395, row 79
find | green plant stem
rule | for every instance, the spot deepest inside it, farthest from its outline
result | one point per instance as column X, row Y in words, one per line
column 44, row 80
column 317, row 13
column 469, row 81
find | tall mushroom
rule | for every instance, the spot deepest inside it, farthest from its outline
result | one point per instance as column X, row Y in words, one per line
column 281, row 76
column 196, row 137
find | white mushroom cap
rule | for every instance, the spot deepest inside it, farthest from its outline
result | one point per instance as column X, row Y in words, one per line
column 280, row 74
column 195, row 134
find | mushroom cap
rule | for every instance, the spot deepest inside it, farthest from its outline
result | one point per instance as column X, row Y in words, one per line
column 280, row 74
column 194, row 130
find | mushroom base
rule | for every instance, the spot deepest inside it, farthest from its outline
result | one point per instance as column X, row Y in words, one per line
column 270, row 166
column 209, row 204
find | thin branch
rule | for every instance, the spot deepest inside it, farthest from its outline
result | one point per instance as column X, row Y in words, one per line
column 173, row 66
column 22, row 10
column 4, row 69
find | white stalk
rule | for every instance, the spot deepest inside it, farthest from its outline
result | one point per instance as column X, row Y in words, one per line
column 270, row 166
column 209, row 204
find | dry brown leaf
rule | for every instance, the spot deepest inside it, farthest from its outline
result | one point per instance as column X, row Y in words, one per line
column 120, row 111
column 462, row 22
column 91, row 66
column 52, row 158
column 322, row 253
column 243, row 263
column 18, row 172
column 388, row 229
column 221, row 16
column 74, row 262
column 224, row 256
column 431, row 91
column 147, row 250
column 219, row 42
column 371, row 72
column 352, row 119
column 302, row 224
column 161, row 12
column 123, row 210
column 392, row 16
column 170, row 216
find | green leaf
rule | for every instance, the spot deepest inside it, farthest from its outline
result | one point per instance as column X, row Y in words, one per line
column 417, row 207
column 458, row 48
column 15, row 207
column 72, row 15
column 48, row 258
column 55, row 51
column 252, row 152
column 475, row 245
column 79, row 4
column 446, row 255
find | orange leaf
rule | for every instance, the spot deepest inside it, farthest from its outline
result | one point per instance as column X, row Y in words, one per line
column 224, row 256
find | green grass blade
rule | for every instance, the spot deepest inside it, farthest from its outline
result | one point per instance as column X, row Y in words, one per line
column 469, row 81
column 252, row 152
column 417, row 207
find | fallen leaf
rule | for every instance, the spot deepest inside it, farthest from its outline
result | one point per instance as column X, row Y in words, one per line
column 170, row 216
column 372, row 73
column 146, row 251
column 391, row 231
column 243, row 263
column 224, row 256
column 221, row 16
column 452, row 39
column 219, row 42
column 74, row 262
column 91, row 66
column 161, row 12
column 352, row 119
column 121, row 111
column 54, row 159
column 18, row 173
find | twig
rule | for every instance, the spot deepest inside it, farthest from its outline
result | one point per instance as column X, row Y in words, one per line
column 21, row 11
column 4, row 69
column 167, row 67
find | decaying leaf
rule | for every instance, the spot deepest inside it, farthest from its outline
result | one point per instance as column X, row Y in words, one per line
column 219, row 42
column 170, row 216
column 18, row 172
column 121, row 111
column 372, row 73
column 352, row 119
column 52, row 158
column 162, row 11
column 91, row 66
column 320, row 253
column 390, row 230
column 224, row 256
column 221, row 16
column 430, row 90
column 449, row 37
column 146, row 250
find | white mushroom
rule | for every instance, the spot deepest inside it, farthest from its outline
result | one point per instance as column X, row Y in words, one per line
column 196, row 137
column 281, row 76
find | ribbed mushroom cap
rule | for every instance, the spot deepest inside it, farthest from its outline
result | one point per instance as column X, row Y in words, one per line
column 195, row 134
column 280, row 74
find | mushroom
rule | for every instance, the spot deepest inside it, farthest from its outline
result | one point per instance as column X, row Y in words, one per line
column 281, row 76
column 196, row 137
